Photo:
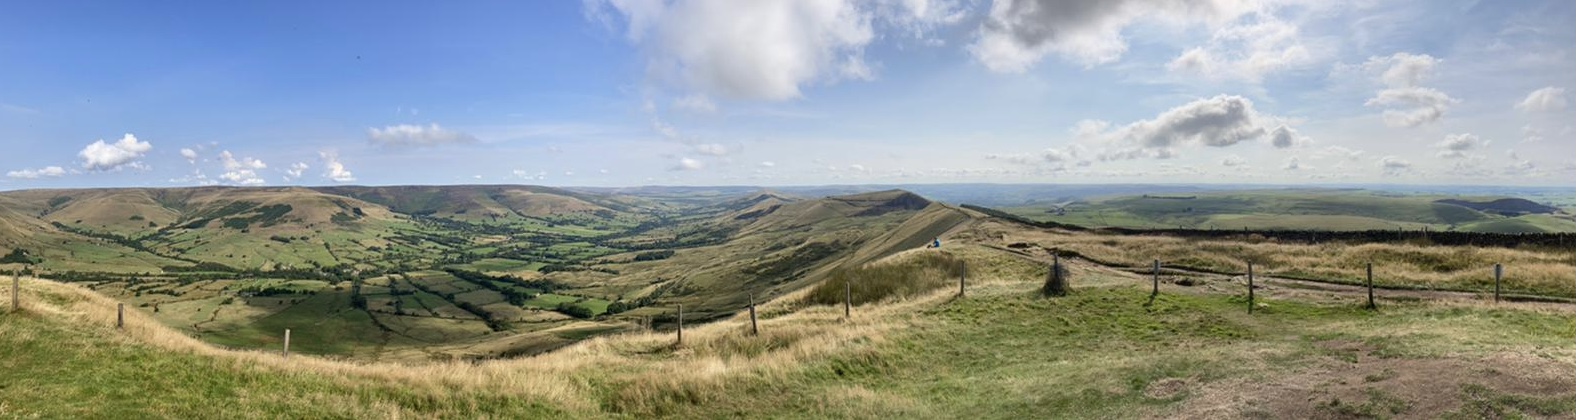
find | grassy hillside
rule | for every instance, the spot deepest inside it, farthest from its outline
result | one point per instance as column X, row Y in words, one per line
column 1107, row 350
column 228, row 264
column 1301, row 209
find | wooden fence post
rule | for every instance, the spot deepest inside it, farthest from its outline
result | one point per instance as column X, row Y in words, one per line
column 287, row 343
column 754, row 328
column 681, row 324
column 1250, row 287
column 1371, row 304
column 120, row 316
column 848, row 298
column 1156, row 292
column 1499, row 271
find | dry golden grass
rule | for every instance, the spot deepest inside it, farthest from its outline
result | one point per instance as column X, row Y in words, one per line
column 1540, row 272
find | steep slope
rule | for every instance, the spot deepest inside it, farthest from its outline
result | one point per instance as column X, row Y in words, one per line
column 490, row 202
column 145, row 230
column 793, row 245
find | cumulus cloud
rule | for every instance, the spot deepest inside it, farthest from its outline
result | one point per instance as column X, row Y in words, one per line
column 1233, row 161
column 1412, row 106
column 190, row 155
column 1221, row 121
column 241, row 171
column 295, row 171
column 1019, row 33
column 1246, row 51
column 1456, row 146
column 764, row 49
column 687, row 164
column 333, row 169
column 405, row 135
column 1284, row 137
column 1405, row 102
column 1292, row 164
column 101, row 156
column 1392, row 166
column 45, row 172
column 1544, row 100
column 768, row 164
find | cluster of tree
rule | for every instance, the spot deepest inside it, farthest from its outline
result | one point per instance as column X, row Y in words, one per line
column 575, row 310
column 17, row 256
column 205, row 266
column 654, row 255
column 121, row 240
column 515, row 296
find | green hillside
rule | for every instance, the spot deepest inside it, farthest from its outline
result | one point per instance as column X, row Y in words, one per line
column 420, row 273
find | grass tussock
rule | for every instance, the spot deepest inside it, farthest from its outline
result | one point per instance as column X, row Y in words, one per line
column 907, row 277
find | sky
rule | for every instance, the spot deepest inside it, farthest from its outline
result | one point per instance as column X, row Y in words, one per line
column 787, row 92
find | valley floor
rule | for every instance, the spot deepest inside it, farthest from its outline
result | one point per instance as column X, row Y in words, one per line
column 1000, row 351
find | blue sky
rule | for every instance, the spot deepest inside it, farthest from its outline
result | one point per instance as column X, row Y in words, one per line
column 785, row 92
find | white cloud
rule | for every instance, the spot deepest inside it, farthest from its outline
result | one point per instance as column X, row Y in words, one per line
column 1339, row 152
column 1405, row 102
column 768, row 164
column 1456, row 146
column 1221, row 121
column 101, row 156
column 1403, row 69
column 405, row 135
column 523, row 174
column 1020, row 33
column 1233, row 161
column 334, row 170
column 1412, row 106
column 1292, row 164
column 46, row 172
column 1544, row 100
column 711, row 149
column 765, row 49
column 1392, row 165
column 241, row 171
column 1530, row 134
column 688, row 164
column 1284, row 137
column 190, row 155
column 295, row 171
column 1246, row 51
column 696, row 103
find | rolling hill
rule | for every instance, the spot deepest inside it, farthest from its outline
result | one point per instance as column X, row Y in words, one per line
column 1306, row 209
